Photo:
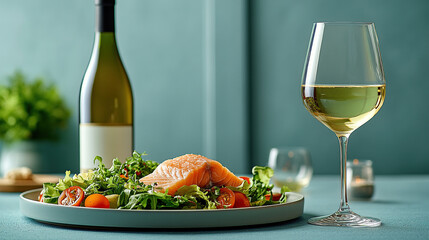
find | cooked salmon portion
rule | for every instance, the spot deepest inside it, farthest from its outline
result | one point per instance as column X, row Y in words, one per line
column 188, row 170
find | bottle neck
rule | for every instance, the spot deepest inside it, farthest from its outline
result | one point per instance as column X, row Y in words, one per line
column 105, row 45
column 105, row 38
column 104, row 18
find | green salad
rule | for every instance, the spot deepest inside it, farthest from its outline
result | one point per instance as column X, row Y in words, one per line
column 120, row 185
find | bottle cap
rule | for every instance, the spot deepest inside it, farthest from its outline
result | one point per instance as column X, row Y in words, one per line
column 105, row 2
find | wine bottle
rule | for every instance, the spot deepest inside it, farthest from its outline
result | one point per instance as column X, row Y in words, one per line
column 106, row 101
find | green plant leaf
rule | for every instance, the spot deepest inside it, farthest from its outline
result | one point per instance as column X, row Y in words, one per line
column 30, row 110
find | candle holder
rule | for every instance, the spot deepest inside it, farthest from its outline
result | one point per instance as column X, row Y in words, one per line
column 360, row 179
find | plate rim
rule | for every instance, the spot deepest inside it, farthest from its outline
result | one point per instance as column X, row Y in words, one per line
column 26, row 202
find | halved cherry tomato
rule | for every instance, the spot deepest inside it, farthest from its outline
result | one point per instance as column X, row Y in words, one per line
column 241, row 200
column 246, row 178
column 97, row 201
column 276, row 197
column 72, row 196
column 226, row 198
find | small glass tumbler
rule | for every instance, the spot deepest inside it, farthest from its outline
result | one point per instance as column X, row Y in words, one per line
column 292, row 167
column 360, row 179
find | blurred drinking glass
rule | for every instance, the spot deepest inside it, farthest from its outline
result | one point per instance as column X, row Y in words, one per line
column 292, row 167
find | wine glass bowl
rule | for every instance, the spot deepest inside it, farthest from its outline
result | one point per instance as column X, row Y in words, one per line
column 343, row 108
column 343, row 86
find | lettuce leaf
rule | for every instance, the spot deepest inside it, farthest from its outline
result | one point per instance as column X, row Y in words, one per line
column 243, row 188
column 262, row 174
column 196, row 197
column 50, row 193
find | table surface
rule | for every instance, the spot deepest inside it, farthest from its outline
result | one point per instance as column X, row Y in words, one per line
column 401, row 202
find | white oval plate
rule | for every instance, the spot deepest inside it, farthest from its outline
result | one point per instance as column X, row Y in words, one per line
column 124, row 218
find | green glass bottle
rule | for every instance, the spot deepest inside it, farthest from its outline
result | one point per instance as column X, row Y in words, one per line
column 106, row 100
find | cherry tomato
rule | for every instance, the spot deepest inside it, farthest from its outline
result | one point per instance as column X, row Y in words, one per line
column 241, row 200
column 72, row 196
column 226, row 198
column 276, row 196
column 97, row 201
column 246, row 178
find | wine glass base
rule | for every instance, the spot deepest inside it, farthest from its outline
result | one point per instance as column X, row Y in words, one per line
column 348, row 219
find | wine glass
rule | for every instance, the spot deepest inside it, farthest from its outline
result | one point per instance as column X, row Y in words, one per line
column 343, row 86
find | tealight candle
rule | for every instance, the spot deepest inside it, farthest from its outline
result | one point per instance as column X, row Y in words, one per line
column 360, row 179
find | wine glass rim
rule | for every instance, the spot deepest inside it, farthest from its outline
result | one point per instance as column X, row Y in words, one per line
column 345, row 23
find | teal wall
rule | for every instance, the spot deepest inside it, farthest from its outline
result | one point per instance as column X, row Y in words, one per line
column 160, row 44
column 221, row 77
column 396, row 138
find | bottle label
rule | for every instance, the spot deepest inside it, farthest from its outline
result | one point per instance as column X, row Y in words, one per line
column 108, row 142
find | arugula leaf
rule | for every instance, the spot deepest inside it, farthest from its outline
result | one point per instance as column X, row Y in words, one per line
column 187, row 197
column 283, row 191
column 132, row 199
column 261, row 185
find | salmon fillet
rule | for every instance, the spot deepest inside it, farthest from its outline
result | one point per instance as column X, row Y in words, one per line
column 188, row 170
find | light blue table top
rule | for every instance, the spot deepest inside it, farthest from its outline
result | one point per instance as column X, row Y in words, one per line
column 401, row 202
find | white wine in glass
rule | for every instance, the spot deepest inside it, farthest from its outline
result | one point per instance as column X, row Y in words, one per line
column 343, row 86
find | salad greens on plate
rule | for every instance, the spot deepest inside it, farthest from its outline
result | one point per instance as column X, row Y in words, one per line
column 120, row 185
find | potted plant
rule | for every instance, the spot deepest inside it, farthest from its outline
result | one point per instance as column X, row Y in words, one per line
column 30, row 113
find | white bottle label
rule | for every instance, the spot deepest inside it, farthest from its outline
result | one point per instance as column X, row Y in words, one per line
column 108, row 142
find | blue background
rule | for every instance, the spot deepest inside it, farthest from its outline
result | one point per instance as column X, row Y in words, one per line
column 221, row 78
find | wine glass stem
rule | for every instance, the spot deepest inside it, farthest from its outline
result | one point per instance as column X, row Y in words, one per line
column 344, row 206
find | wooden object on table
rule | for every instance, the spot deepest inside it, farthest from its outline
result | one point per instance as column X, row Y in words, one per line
column 15, row 185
